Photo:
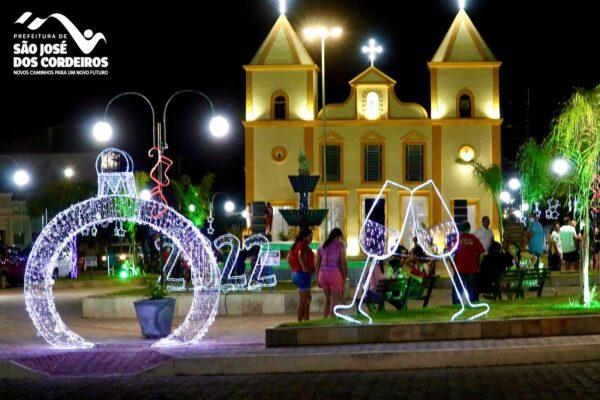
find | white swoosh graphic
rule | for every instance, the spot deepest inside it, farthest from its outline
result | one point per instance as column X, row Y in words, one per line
column 86, row 45
column 23, row 17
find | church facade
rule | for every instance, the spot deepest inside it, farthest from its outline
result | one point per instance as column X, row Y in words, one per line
column 373, row 136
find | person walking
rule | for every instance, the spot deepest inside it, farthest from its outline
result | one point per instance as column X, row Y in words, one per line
column 554, row 248
column 332, row 270
column 485, row 234
column 568, row 240
column 301, row 260
column 467, row 259
column 535, row 234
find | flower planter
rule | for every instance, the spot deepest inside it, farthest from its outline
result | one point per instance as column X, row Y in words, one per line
column 155, row 316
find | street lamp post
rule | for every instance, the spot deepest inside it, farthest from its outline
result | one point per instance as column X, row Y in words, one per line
column 323, row 33
column 21, row 177
column 103, row 132
column 229, row 207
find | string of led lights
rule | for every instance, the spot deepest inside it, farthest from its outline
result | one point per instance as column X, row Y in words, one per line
column 110, row 207
column 257, row 281
column 173, row 284
column 230, row 282
column 379, row 243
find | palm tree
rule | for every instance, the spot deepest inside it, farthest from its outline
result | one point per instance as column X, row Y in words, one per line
column 491, row 180
column 533, row 163
column 194, row 200
column 575, row 138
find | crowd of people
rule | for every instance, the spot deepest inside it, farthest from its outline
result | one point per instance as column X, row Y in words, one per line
column 479, row 258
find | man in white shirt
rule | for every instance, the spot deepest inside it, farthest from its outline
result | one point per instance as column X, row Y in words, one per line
column 568, row 240
column 485, row 234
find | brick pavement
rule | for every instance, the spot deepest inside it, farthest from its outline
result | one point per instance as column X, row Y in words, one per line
column 555, row 381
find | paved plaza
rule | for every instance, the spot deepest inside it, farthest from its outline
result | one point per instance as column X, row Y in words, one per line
column 557, row 381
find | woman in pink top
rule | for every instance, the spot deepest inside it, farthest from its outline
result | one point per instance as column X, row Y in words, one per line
column 332, row 270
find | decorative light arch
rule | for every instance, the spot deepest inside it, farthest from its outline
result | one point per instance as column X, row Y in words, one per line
column 117, row 202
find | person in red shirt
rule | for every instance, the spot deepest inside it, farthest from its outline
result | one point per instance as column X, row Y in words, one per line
column 301, row 260
column 467, row 259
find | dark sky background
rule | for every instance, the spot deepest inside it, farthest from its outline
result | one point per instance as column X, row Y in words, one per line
column 157, row 48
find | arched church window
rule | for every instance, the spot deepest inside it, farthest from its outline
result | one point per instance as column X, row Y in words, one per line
column 372, row 106
column 280, row 107
column 465, row 106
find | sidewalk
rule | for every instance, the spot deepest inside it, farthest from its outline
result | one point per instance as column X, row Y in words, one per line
column 235, row 345
column 213, row 357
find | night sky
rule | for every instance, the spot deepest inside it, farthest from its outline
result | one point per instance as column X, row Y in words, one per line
column 157, row 48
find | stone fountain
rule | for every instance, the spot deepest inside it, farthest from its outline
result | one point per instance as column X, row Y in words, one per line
column 304, row 184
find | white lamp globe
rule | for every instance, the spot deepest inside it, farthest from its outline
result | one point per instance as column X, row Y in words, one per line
column 514, row 184
column 21, row 178
column 524, row 207
column 69, row 172
column 102, row 131
column 192, row 208
column 518, row 214
column 505, row 197
column 218, row 126
column 560, row 166
column 229, row 206
column 145, row 195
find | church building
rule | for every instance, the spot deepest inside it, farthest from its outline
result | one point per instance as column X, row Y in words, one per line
column 373, row 136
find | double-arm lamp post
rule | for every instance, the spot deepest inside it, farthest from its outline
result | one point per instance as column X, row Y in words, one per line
column 102, row 132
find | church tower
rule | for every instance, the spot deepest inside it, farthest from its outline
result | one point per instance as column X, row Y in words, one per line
column 464, row 75
column 465, row 112
column 281, row 79
column 281, row 105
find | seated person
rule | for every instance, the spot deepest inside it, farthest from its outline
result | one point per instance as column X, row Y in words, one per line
column 396, row 261
column 380, row 272
column 494, row 263
column 417, row 262
column 520, row 259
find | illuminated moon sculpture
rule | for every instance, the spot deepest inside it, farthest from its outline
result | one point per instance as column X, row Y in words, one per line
column 379, row 243
column 122, row 206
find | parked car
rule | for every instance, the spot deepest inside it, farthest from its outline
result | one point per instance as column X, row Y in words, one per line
column 12, row 267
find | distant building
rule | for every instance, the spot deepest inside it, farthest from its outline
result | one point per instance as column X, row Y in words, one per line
column 16, row 226
column 373, row 136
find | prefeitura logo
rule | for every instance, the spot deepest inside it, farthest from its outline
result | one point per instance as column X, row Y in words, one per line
column 42, row 49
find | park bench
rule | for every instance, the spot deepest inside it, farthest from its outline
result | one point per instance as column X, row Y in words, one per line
column 399, row 291
column 534, row 281
column 516, row 283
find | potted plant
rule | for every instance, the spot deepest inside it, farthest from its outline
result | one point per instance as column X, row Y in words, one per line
column 155, row 314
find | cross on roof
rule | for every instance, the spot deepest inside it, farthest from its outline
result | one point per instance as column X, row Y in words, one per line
column 373, row 49
column 282, row 7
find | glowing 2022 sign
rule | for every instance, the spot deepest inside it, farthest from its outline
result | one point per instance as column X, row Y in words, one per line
column 117, row 201
column 380, row 243
column 239, row 282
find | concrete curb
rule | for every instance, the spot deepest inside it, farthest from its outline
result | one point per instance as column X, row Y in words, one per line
column 422, row 332
column 261, row 303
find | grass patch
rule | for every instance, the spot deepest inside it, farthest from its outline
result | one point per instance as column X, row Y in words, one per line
column 501, row 309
